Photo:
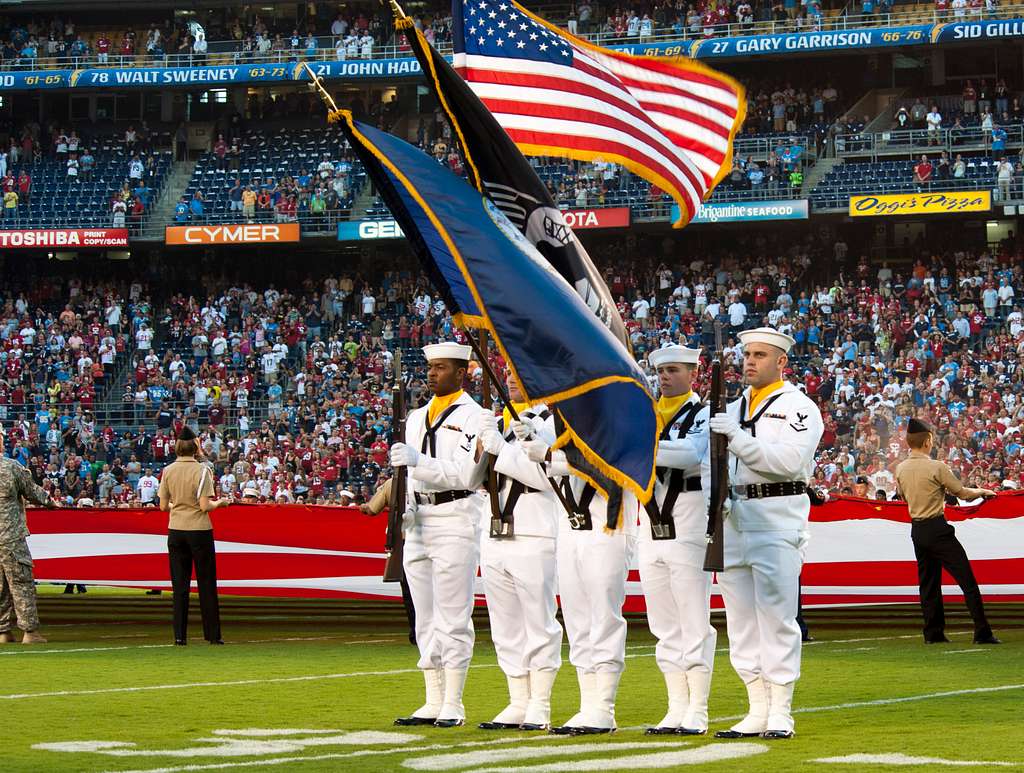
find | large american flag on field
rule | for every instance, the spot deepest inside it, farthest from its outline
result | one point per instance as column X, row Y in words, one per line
column 668, row 120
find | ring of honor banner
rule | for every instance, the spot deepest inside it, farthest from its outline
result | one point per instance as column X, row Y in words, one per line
column 859, row 551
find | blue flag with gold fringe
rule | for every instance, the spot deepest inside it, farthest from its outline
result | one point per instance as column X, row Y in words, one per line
column 491, row 277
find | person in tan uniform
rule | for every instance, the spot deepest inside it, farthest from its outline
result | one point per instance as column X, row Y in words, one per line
column 186, row 492
column 378, row 502
column 924, row 483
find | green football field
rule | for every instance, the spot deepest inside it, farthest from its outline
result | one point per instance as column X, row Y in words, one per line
column 315, row 685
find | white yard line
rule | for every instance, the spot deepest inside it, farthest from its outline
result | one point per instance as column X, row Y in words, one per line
column 890, row 701
column 972, row 651
column 903, row 759
column 41, row 651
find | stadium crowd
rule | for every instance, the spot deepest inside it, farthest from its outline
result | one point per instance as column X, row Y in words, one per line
column 289, row 387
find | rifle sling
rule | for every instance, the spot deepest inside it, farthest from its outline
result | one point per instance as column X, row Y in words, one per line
column 676, row 479
column 751, row 423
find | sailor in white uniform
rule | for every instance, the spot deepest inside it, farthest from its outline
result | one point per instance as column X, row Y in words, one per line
column 592, row 567
column 519, row 571
column 441, row 531
column 773, row 432
column 672, row 541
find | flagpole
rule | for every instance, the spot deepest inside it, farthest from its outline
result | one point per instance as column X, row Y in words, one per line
column 503, row 394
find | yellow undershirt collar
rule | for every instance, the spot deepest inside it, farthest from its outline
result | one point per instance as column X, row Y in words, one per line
column 757, row 396
column 507, row 414
column 668, row 407
column 439, row 405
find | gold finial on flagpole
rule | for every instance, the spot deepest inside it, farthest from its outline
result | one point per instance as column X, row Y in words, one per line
column 396, row 9
column 333, row 113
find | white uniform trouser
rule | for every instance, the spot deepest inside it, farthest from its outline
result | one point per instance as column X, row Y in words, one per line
column 677, row 592
column 441, row 571
column 592, row 568
column 760, row 587
column 519, row 581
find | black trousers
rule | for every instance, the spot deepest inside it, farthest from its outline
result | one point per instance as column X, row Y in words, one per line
column 187, row 549
column 937, row 548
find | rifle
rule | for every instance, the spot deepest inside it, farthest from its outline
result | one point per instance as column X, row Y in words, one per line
column 395, row 542
column 714, row 557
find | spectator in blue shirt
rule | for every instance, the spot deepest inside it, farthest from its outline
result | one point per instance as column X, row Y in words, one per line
column 998, row 139
column 181, row 211
column 196, row 206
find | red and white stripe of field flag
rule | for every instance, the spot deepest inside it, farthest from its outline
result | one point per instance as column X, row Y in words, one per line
column 859, row 551
column 669, row 120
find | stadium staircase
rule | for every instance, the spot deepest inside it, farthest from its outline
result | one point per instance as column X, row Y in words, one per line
column 162, row 211
column 817, row 173
column 364, row 202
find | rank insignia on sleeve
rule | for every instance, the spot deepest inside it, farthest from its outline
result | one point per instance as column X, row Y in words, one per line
column 799, row 425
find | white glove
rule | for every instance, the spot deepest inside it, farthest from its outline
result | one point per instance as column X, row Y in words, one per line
column 404, row 456
column 536, row 449
column 522, row 429
column 491, row 440
column 488, row 421
column 724, row 424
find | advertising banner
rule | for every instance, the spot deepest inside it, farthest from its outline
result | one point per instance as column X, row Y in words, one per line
column 749, row 211
column 977, row 30
column 852, row 40
column 578, row 219
column 939, row 203
column 64, row 238
column 859, row 551
column 251, row 233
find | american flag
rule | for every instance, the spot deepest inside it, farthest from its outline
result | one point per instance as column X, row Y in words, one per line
column 668, row 120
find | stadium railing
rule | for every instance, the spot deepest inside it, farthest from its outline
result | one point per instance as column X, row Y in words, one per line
column 230, row 51
column 917, row 141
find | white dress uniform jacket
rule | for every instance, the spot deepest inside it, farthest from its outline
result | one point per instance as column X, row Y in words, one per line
column 520, row 580
column 441, row 544
column 676, row 587
column 763, row 540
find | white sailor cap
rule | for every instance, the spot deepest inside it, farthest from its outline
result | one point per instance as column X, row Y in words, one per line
column 767, row 335
column 673, row 353
column 447, row 351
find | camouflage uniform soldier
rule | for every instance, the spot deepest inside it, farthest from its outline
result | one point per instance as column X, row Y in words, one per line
column 17, row 586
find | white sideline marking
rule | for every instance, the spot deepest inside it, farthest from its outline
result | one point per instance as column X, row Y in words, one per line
column 856, row 649
column 889, row 701
column 715, row 752
column 974, row 651
column 516, row 754
column 27, row 651
column 903, row 759
column 346, row 755
column 236, row 683
column 85, row 649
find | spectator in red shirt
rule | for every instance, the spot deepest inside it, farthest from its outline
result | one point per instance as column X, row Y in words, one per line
column 923, row 170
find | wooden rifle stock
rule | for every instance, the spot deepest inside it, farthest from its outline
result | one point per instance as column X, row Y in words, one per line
column 714, row 557
column 395, row 541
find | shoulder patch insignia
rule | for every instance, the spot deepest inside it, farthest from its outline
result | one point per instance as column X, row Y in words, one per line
column 799, row 425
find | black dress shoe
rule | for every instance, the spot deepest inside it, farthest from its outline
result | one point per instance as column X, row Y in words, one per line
column 777, row 734
column 661, row 731
column 989, row 639
column 531, row 727
column 937, row 640
column 449, row 723
column 216, row 641
column 498, row 726
column 414, row 721
column 735, row 734
column 180, row 642
column 806, row 638
column 690, row 731
column 580, row 730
